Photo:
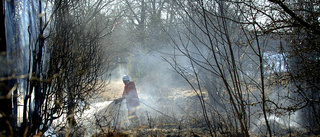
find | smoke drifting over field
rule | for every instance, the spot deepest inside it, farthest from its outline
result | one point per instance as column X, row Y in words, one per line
column 157, row 82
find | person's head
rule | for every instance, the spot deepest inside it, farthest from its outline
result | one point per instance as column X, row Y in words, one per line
column 125, row 79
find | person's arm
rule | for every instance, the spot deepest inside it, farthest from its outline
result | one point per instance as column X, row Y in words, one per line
column 121, row 98
column 118, row 100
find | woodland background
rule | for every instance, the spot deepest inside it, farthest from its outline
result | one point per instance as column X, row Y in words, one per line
column 252, row 66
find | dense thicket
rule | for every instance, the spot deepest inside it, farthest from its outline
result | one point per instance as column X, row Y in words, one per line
column 58, row 68
column 255, row 59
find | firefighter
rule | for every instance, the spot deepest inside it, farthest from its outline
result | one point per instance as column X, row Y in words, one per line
column 131, row 95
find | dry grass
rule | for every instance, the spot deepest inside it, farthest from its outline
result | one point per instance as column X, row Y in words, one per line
column 113, row 90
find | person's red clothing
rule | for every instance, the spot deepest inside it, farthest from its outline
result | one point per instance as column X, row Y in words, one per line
column 131, row 95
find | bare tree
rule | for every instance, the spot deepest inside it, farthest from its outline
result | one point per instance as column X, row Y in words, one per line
column 227, row 45
column 62, row 66
column 301, row 50
column 79, row 55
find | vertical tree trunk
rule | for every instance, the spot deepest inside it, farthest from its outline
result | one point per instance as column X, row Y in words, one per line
column 36, row 74
column 5, row 100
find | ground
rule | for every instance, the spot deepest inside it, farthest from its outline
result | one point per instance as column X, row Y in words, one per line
column 171, row 114
column 174, row 113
